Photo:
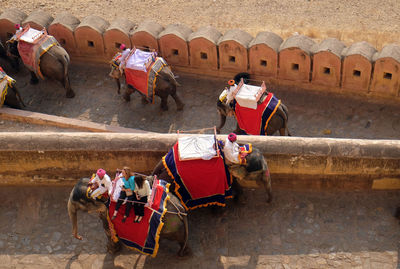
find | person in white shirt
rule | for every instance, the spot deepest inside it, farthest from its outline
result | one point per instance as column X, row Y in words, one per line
column 117, row 184
column 104, row 183
column 231, row 149
column 143, row 192
column 124, row 57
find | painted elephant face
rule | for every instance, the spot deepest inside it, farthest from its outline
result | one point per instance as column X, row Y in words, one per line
column 115, row 72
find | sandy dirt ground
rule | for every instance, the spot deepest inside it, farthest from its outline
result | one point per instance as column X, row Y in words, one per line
column 350, row 21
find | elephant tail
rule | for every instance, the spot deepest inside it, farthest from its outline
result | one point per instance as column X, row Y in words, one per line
column 286, row 115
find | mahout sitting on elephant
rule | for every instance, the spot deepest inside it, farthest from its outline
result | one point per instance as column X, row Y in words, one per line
column 165, row 210
column 147, row 74
column 208, row 178
column 9, row 93
column 41, row 54
column 257, row 111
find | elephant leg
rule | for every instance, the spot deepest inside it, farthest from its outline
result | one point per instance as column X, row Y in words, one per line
column 34, row 79
column 164, row 103
column 127, row 94
column 70, row 93
column 144, row 100
column 178, row 101
column 237, row 192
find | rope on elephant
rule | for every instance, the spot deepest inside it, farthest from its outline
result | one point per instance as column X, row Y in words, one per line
column 179, row 213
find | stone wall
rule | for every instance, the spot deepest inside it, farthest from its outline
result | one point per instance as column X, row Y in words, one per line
column 327, row 66
column 295, row 163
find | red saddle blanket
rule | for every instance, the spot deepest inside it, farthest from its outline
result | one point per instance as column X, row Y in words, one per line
column 255, row 121
column 199, row 183
column 143, row 236
column 31, row 52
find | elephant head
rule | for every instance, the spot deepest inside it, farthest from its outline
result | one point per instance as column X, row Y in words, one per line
column 255, row 170
column 9, row 92
column 115, row 72
column 11, row 50
column 175, row 220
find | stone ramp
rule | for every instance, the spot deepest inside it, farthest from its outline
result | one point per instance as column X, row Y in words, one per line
column 60, row 122
column 299, row 229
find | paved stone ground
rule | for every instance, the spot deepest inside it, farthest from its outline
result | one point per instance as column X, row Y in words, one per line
column 311, row 114
column 297, row 230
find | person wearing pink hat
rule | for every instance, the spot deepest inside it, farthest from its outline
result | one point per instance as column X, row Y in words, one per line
column 104, row 183
column 124, row 56
column 231, row 149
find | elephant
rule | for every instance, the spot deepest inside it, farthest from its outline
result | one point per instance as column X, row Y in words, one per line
column 3, row 53
column 255, row 169
column 13, row 98
column 175, row 220
column 166, row 85
column 278, row 121
column 53, row 64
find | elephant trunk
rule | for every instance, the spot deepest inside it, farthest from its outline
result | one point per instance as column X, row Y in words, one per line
column 72, row 212
column 222, row 115
column 186, row 236
column 118, row 85
column 267, row 182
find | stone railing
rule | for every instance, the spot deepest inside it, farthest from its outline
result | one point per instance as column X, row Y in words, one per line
column 295, row 163
column 329, row 66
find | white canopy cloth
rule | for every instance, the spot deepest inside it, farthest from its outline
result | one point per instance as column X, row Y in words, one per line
column 197, row 147
column 247, row 96
column 139, row 60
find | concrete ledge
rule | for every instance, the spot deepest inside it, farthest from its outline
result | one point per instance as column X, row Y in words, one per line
column 62, row 122
column 296, row 163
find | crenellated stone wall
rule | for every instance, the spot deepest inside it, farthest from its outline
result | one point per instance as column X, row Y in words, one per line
column 294, row 162
column 299, row 60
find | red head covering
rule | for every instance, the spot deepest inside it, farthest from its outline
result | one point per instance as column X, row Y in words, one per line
column 122, row 47
column 101, row 173
column 17, row 26
column 232, row 137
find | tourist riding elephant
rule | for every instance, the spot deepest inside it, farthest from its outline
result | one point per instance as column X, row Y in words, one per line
column 175, row 224
column 165, row 85
column 277, row 122
column 255, row 170
column 53, row 64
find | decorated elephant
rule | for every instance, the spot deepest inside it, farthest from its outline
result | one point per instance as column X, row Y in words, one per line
column 270, row 116
column 175, row 219
column 3, row 53
column 253, row 170
column 156, row 78
column 9, row 93
column 44, row 58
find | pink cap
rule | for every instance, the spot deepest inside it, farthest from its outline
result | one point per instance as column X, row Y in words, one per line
column 17, row 26
column 232, row 137
column 122, row 47
column 101, row 173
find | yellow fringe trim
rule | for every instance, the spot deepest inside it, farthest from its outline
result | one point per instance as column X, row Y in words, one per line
column 40, row 56
column 270, row 116
column 166, row 167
